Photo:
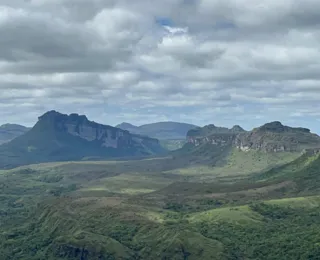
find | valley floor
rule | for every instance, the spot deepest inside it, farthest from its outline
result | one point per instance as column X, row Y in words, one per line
column 254, row 206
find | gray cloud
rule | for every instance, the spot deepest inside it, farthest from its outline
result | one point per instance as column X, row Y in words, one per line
column 206, row 61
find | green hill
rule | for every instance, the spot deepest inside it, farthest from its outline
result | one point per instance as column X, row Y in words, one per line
column 303, row 171
column 135, row 210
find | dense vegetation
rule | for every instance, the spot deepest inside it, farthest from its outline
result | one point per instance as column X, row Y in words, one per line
column 163, row 209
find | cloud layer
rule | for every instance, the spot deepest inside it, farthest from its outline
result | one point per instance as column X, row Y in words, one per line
column 206, row 61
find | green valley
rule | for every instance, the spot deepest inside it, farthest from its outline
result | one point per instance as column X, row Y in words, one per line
column 152, row 209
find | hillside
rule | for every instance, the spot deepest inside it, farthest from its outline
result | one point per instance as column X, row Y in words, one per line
column 275, row 137
column 10, row 131
column 139, row 210
column 160, row 130
column 57, row 137
column 304, row 171
column 271, row 137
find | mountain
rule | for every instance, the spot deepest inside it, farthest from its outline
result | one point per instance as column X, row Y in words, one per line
column 213, row 134
column 129, row 127
column 11, row 131
column 270, row 137
column 212, row 129
column 59, row 137
column 160, row 130
column 275, row 137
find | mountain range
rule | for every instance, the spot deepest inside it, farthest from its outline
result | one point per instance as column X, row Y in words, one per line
column 160, row 130
column 60, row 137
column 270, row 137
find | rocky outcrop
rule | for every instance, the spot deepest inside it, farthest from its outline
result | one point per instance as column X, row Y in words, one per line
column 59, row 137
column 271, row 137
column 106, row 136
column 278, row 127
column 275, row 137
column 311, row 151
column 216, row 139
column 220, row 136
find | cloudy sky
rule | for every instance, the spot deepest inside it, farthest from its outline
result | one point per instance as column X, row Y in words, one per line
column 200, row 61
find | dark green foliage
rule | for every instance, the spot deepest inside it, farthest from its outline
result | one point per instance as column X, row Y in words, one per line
column 67, row 212
column 285, row 233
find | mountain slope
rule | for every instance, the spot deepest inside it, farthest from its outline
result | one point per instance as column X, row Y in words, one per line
column 58, row 137
column 275, row 137
column 160, row 130
column 210, row 141
column 212, row 129
column 271, row 137
column 10, row 131
column 303, row 171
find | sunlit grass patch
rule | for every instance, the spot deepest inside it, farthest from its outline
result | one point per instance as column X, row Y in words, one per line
column 299, row 202
column 242, row 214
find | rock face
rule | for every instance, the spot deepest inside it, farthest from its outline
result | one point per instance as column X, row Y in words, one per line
column 221, row 139
column 80, row 126
column 59, row 137
column 271, row 137
column 214, row 135
column 275, row 137
column 106, row 136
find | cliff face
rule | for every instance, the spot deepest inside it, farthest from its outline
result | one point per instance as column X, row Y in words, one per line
column 59, row 137
column 80, row 126
column 220, row 136
column 221, row 139
column 271, row 137
column 106, row 136
column 275, row 137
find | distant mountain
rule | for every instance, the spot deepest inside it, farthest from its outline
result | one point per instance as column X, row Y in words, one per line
column 129, row 127
column 212, row 129
column 271, row 137
column 59, row 137
column 160, row 130
column 11, row 131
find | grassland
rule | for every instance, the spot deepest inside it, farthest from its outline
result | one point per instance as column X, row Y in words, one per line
column 237, row 165
column 161, row 209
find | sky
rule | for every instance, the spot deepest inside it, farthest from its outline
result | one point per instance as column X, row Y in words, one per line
column 202, row 62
